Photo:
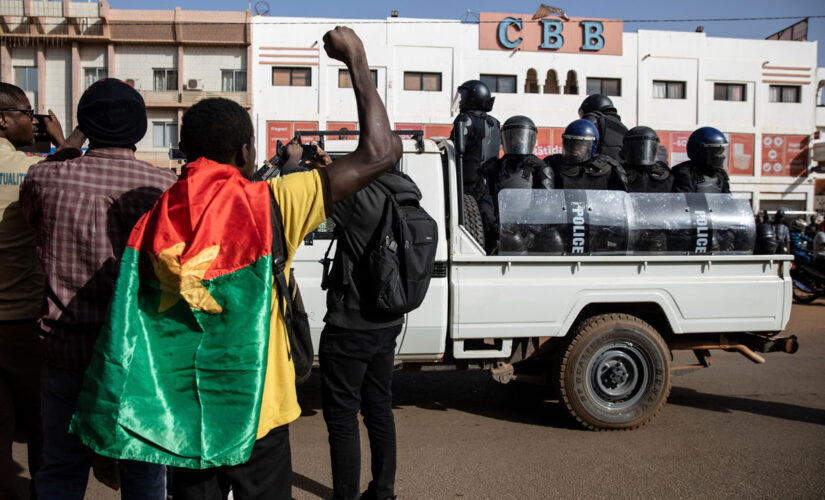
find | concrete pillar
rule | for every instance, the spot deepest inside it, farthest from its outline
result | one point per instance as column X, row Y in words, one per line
column 181, row 69
column 5, row 63
column 42, row 75
column 110, row 61
column 76, row 84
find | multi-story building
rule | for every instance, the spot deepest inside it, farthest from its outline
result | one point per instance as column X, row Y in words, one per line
column 55, row 49
column 762, row 94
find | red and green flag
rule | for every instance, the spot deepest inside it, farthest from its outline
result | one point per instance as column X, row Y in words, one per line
column 178, row 370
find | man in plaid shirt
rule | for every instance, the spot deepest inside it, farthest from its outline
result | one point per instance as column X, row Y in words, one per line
column 83, row 210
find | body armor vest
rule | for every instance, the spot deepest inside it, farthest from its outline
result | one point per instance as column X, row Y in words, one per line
column 483, row 142
column 654, row 178
column 600, row 172
column 611, row 133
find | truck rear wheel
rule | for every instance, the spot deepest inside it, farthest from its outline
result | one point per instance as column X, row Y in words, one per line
column 472, row 219
column 613, row 373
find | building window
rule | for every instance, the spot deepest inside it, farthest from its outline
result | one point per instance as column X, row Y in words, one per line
column 606, row 86
column 668, row 90
column 233, row 80
column 728, row 91
column 785, row 93
column 505, row 84
column 551, row 82
column 571, row 86
column 414, row 80
column 345, row 81
column 164, row 134
column 531, row 83
column 292, row 77
column 25, row 77
column 91, row 75
column 165, row 79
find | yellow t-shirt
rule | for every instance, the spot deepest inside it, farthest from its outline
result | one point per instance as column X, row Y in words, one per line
column 303, row 199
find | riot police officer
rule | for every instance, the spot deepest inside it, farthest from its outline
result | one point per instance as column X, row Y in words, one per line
column 579, row 166
column 517, row 169
column 475, row 133
column 599, row 109
column 707, row 149
column 644, row 173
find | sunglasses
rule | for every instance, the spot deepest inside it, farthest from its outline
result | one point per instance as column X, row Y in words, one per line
column 27, row 112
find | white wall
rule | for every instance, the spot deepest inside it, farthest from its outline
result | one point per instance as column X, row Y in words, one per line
column 139, row 61
column 58, row 84
column 206, row 63
column 156, row 116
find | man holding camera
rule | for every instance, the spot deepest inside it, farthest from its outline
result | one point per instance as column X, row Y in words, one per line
column 21, row 284
column 83, row 208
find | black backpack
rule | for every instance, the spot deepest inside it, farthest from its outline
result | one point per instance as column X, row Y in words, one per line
column 296, row 320
column 400, row 255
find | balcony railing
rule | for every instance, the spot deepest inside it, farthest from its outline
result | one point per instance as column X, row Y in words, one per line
column 165, row 98
column 190, row 97
column 174, row 99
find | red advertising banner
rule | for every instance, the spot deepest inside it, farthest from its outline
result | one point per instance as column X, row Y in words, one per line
column 305, row 126
column 342, row 126
column 284, row 132
column 741, row 150
column 431, row 131
column 408, row 126
column 784, row 155
column 277, row 131
column 741, row 154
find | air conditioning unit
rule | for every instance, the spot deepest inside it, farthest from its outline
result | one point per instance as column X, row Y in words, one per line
column 134, row 82
column 193, row 84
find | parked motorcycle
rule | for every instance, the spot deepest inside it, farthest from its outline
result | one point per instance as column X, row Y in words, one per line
column 808, row 282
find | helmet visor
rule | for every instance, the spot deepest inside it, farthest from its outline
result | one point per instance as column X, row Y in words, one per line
column 456, row 101
column 715, row 155
column 642, row 151
column 577, row 148
column 518, row 141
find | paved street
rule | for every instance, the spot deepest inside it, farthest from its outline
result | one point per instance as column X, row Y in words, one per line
column 734, row 430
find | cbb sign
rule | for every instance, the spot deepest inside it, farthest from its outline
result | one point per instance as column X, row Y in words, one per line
column 577, row 35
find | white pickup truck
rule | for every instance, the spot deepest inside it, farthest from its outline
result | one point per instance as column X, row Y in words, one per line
column 599, row 329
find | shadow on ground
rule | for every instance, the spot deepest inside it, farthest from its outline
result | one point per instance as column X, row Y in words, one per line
column 472, row 392
column 688, row 397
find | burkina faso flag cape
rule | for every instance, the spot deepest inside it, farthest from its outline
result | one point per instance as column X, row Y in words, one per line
column 178, row 370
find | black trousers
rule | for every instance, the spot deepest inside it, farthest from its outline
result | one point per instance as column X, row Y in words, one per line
column 20, row 363
column 266, row 475
column 356, row 373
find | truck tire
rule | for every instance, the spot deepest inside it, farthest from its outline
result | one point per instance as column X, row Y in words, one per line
column 472, row 219
column 613, row 373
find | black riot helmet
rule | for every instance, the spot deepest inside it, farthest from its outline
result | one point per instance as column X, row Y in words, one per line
column 518, row 135
column 640, row 146
column 475, row 95
column 596, row 102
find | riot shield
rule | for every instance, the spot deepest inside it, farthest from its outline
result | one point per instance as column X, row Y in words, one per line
column 690, row 223
column 563, row 222
column 585, row 222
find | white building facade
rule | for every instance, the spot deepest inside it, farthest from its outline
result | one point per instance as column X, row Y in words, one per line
column 762, row 94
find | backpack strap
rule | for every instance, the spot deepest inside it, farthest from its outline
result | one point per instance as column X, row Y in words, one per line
column 326, row 261
column 279, row 257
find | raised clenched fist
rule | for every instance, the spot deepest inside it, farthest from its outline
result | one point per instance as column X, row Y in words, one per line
column 343, row 44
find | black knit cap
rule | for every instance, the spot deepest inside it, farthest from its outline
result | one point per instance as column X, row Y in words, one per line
column 112, row 113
